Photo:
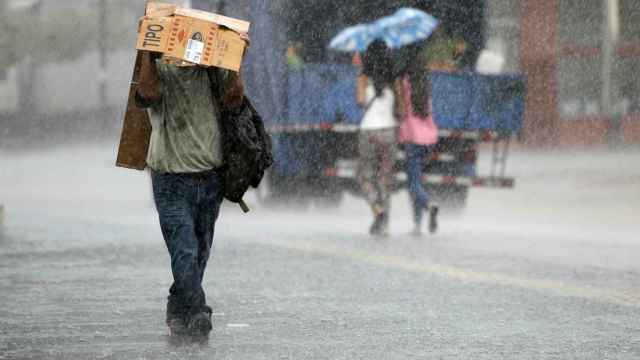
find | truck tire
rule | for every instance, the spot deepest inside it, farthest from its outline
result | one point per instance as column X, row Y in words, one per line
column 329, row 200
column 450, row 197
column 276, row 192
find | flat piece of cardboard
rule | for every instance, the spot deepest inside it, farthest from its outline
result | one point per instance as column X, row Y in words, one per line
column 136, row 130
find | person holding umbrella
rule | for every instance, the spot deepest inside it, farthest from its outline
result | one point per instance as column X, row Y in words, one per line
column 376, row 95
column 377, row 139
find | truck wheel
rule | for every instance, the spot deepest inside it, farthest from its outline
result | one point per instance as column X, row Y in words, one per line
column 280, row 193
column 450, row 197
column 329, row 201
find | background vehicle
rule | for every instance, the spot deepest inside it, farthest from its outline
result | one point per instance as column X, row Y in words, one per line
column 311, row 112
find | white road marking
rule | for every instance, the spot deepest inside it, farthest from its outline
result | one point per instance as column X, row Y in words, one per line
column 629, row 297
column 238, row 326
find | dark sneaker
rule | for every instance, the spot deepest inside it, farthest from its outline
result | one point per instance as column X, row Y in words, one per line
column 380, row 226
column 200, row 323
column 384, row 227
column 175, row 319
column 433, row 219
column 376, row 227
column 177, row 326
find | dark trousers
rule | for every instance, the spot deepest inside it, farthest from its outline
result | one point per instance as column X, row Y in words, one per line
column 416, row 157
column 188, row 206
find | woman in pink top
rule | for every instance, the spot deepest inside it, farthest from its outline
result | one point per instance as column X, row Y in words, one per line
column 417, row 133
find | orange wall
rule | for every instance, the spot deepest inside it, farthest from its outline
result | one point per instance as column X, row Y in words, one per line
column 582, row 131
column 631, row 129
column 538, row 62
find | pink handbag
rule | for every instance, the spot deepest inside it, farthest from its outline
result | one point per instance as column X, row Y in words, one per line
column 415, row 129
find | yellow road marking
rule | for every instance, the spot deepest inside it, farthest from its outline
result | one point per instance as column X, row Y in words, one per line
column 611, row 296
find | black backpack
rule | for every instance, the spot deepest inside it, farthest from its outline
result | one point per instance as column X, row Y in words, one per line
column 246, row 148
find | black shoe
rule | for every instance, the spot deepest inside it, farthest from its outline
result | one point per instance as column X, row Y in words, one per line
column 176, row 319
column 177, row 327
column 380, row 226
column 433, row 219
column 200, row 323
column 376, row 227
column 384, row 226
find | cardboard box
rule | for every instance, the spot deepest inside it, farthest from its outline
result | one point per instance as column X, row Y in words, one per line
column 194, row 36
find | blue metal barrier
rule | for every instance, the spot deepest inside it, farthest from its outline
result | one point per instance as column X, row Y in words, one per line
column 322, row 93
column 498, row 103
column 319, row 92
column 452, row 100
column 478, row 102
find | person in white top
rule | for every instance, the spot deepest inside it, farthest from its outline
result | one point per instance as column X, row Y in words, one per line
column 377, row 139
column 380, row 114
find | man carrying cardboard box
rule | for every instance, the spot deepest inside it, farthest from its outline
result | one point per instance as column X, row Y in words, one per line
column 184, row 104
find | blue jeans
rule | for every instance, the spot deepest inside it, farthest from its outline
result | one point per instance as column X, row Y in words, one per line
column 188, row 206
column 416, row 157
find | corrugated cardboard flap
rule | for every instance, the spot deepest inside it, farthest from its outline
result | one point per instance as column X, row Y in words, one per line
column 158, row 9
column 233, row 24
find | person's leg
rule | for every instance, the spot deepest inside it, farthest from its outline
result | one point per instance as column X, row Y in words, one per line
column 366, row 176
column 210, row 198
column 374, row 197
column 366, row 167
column 175, row 201
column 424, row 194
column 385, row 173
column 378, row 167
column 414, row 166
column 409, row 168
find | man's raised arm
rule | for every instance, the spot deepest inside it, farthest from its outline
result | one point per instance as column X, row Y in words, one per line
column 148, row 82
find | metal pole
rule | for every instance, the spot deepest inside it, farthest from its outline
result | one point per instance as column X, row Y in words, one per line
column 29, row 72
column 611, row 34
column 102, row 52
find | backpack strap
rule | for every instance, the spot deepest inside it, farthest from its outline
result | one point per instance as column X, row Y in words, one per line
column 368, row 105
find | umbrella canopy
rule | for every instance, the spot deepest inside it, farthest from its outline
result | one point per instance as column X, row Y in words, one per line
column 405, row 27
column 353, row 38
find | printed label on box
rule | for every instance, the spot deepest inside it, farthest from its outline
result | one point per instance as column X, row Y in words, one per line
column 194, row 51
column 154, row 34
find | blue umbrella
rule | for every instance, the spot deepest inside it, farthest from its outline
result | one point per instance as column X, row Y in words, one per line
column 405, row 27
column 353, row 38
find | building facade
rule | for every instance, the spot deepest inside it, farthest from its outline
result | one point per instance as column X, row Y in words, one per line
column 582, row 62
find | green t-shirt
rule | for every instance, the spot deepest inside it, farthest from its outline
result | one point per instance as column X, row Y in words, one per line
column 185, row 136
column 441, row 50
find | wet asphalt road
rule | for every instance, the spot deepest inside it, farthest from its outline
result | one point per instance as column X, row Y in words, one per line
column 548, row 270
